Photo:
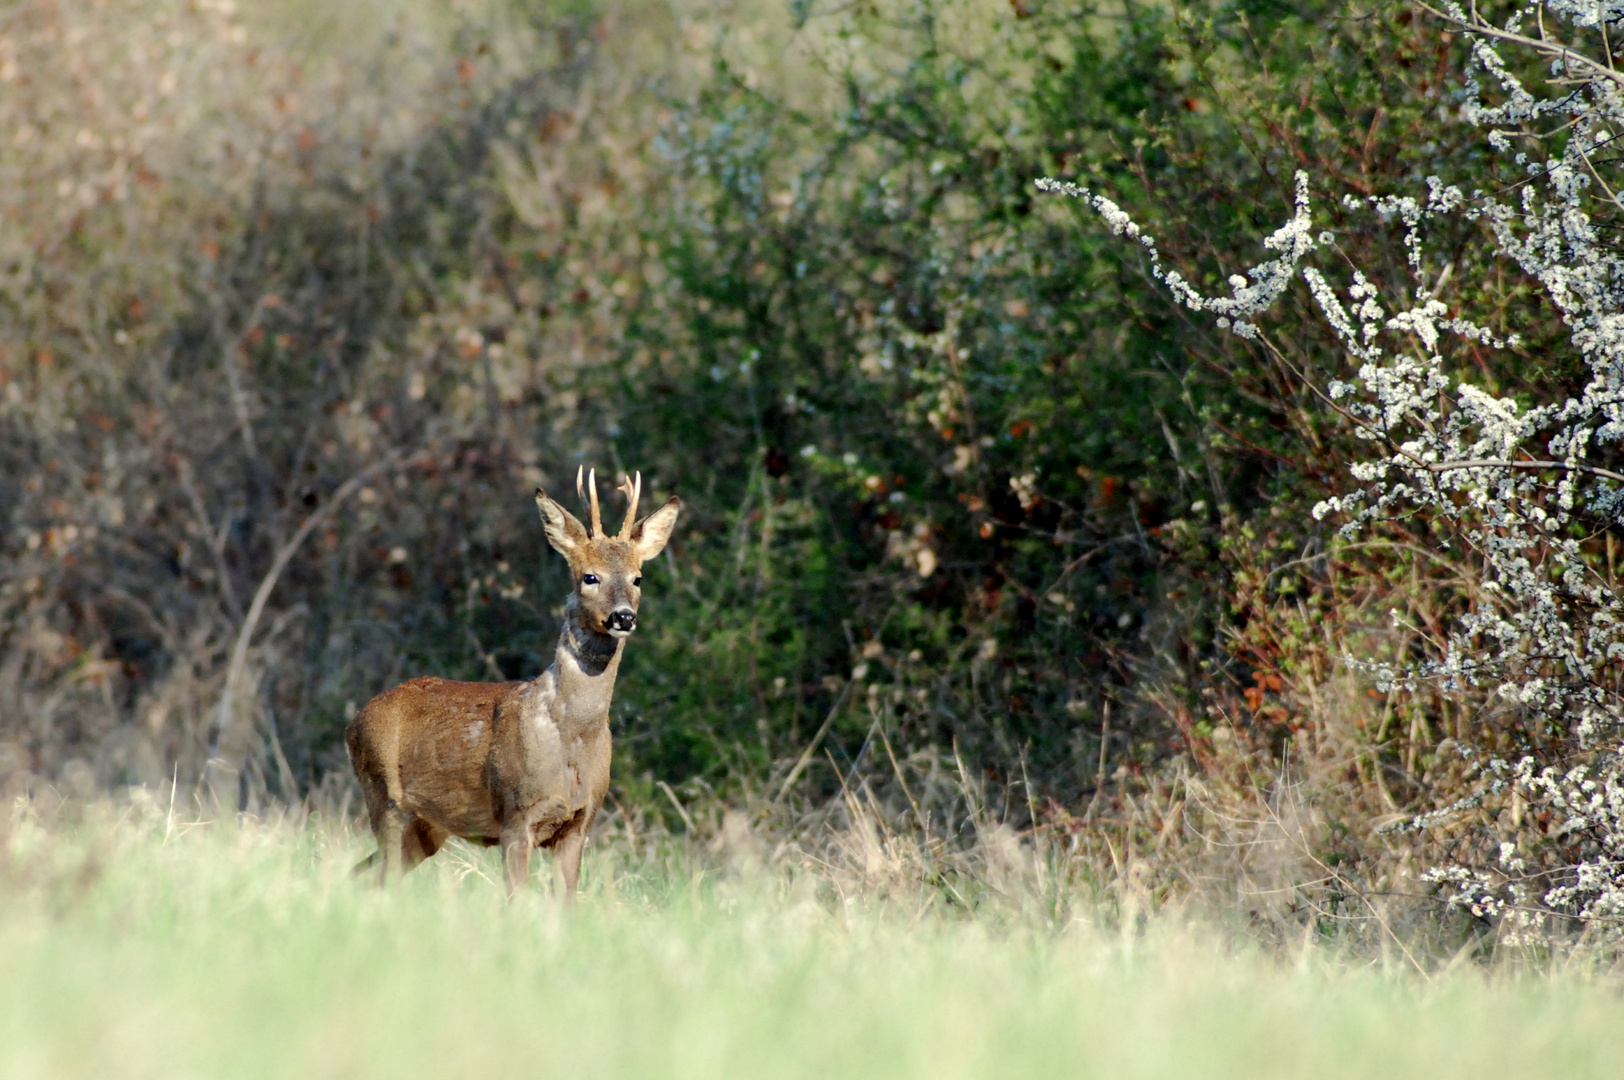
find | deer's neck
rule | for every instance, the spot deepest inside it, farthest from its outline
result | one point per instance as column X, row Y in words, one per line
column 584, row 669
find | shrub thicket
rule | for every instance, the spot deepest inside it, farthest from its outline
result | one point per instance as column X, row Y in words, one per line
column 1021, row 487
column 292, row 329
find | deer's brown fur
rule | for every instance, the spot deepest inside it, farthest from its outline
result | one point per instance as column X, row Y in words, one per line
column 520, row 764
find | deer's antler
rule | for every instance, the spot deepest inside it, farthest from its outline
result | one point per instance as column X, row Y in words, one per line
column 590, row 497
column 634, row 491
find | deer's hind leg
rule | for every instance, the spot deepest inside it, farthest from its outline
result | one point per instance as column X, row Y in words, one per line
column 376, row 756
column 419, row 840
column 381, row 810
column 405, row 836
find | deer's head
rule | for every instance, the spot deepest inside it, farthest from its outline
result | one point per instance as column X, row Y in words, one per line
column 608, row 570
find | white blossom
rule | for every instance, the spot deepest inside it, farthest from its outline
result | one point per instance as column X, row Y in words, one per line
column 1513, row 481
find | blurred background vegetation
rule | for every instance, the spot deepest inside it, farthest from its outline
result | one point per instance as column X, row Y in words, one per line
column 301, row 303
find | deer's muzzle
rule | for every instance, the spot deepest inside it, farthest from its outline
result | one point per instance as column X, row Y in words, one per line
column 623, row 621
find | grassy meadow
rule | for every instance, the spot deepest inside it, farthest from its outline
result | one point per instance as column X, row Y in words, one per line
column 992, row 712
column 137, row 945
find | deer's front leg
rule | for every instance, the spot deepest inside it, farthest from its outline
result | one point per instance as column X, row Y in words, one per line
column 515, row 841
column 568, row 851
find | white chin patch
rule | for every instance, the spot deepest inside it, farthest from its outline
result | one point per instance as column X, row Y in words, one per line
column 619, row 633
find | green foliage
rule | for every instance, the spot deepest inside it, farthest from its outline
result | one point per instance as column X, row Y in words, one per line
column 929, row 449
column 872, row 342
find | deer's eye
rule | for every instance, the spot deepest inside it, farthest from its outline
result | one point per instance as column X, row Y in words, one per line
column 638, row 580
column 589, row 579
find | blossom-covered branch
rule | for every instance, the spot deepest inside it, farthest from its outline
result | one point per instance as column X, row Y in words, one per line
column 1517, row 484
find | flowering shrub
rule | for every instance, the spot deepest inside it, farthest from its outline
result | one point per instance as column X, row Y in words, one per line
column 1525, row 493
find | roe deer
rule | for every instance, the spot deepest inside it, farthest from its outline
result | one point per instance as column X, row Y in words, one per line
column 520, row 764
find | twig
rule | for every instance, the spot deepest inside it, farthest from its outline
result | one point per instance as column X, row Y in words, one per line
column 924, row 823
column 1491, row 463
column 239, row 651
column 216, row 538
column 1416, row 460
column 1099, row 779
column 687, row 821
column 1477, row 24
column 232, row 360
column 812, row 747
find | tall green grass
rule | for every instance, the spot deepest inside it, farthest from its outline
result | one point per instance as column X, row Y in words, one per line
column 136, row 947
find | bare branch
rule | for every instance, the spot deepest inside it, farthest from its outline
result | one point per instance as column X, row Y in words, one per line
column 1491, row 463
column 1477, row 24
column 256, row 608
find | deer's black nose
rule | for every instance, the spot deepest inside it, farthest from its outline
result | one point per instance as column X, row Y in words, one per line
column 625, row 619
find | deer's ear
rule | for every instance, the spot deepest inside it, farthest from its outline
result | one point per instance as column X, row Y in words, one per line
column 650, row 534
column 564, row 532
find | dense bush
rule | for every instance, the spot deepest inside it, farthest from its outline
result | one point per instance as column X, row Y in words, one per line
column 1018, row 484
column 275, row 369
